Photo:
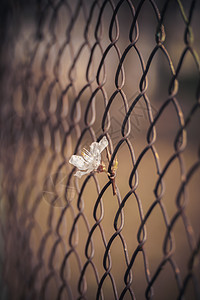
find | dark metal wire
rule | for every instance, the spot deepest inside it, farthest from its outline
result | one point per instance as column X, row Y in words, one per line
column 55, row 96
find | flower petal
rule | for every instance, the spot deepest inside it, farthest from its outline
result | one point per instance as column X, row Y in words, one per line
column 94, row 148
column 79, row 174
column 87, row 158
column 96, row 161
column 103, row 143
column 79, row 162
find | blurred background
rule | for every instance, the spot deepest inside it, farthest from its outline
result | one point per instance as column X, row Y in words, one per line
column 71, row 73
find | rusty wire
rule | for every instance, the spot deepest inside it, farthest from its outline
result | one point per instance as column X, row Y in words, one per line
column 60, row 92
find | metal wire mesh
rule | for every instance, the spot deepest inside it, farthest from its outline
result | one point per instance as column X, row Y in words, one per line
column 71, row 74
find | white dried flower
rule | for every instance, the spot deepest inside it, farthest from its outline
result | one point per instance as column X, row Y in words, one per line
column 89, row 160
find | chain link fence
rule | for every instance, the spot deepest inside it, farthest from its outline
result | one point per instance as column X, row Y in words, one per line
column 73, row 72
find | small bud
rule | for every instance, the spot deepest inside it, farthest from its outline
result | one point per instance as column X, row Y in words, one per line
column 100, row 168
